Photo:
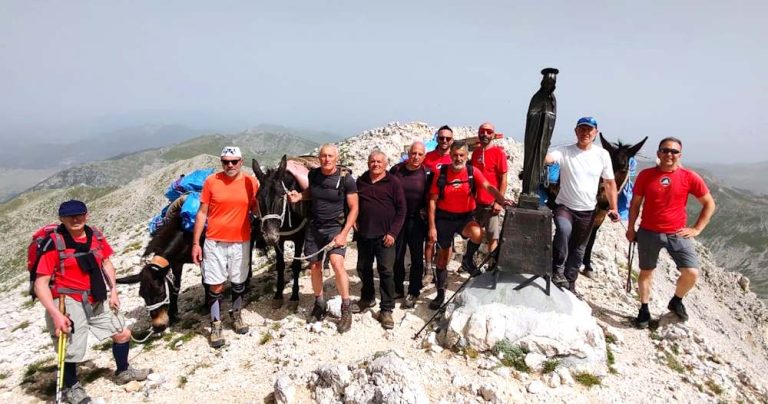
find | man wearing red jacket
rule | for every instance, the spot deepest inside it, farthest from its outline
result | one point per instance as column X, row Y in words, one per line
column 85, row 280
column 662, row 191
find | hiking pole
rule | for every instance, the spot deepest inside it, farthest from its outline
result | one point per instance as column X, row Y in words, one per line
column 630, row 255
column 61, row 353
column 442, row 308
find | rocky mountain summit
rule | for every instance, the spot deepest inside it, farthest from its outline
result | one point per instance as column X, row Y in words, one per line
column 719, row 355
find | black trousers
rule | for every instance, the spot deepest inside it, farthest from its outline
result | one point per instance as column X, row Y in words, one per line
column 369, row 249
column 412, row 236
column 572, row 230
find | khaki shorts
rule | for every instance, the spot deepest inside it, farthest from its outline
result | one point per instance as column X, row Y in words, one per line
column 490, row 222
column 224, row 261
column 102, row 324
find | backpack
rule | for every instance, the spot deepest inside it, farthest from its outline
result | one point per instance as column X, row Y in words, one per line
column 443, row 178
column 43, row 240
column 340, row 186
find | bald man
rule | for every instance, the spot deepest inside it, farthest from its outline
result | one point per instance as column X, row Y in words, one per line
column 328, row 191
column 492, row 161
column 415, row 178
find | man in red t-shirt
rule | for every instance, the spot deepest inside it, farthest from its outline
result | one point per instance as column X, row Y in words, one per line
column 662, row 191
column 433, row 161
column 83, row 283
column 492, row 161
column 453, row 213
column 226, row 203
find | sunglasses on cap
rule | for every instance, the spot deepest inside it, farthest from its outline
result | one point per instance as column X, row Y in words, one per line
column 228, row 162
column 666, row 150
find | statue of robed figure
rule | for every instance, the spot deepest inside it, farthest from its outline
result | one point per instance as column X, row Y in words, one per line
column 539, row 125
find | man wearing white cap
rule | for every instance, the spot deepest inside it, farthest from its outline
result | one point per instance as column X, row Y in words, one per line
column 225, row 203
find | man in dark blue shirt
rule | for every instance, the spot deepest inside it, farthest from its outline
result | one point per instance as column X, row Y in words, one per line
column 415, row 178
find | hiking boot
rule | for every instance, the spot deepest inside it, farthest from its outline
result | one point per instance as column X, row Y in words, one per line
column 676, row 306
column 589, row 273
column 409, row 302
column 216, row 339
column 318, row 312
column 345, row 323
column 238, row 325
column 559, row 280
column 75, row 395
column 643, row 319
column 361, row 305
column 131, row 374
column 438, row 300
column 386, row 320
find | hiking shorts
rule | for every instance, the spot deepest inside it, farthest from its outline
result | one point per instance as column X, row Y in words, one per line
column 489, row 221
column 224, row 261
column 318, row 237
column 681, row 249
column 448, row 224
column 103, row 324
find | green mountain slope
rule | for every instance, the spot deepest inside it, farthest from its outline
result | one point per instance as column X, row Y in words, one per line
column 267, row 147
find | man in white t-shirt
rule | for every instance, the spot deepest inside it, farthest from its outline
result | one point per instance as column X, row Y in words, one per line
column 581, row 166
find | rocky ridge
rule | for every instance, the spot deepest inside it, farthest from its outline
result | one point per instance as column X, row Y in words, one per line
column 718, row 355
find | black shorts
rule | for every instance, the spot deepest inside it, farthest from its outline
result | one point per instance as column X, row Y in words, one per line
column 448, row 224
column 317, row 238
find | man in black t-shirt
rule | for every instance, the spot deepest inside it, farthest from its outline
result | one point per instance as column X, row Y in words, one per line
column 415, row 178
column 329, row 190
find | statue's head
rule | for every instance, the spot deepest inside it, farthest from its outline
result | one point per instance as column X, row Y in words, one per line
column 549, row 79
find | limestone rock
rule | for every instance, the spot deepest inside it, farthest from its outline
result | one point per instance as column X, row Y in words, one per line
column 285, row 390
column 536, row 387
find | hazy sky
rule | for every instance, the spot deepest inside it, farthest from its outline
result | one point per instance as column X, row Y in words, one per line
column 693, row 69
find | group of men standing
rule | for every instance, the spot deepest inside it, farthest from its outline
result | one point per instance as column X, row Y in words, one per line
column 419, row 205
column 416, row 205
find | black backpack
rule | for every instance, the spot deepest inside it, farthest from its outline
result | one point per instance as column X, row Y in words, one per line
column 443, row 178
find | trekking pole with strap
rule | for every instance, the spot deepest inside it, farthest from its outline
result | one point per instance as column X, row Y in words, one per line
column 61, row 353
column 630, row 256
column 442, row 308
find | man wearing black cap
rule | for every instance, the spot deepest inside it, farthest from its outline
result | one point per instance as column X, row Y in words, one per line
column 76, row 269
column 581, row 166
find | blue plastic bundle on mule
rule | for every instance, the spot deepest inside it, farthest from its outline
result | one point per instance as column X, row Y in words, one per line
column 192, row 182
column 189, row 211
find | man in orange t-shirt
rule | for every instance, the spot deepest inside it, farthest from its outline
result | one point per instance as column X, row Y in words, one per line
column 225, row 203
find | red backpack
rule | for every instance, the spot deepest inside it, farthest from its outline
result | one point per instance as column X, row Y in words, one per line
column 42, row 240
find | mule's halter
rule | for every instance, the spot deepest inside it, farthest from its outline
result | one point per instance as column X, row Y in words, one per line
column 169, row 286
column 281, row 216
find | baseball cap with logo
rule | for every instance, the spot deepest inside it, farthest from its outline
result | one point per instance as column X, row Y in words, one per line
column 587, row 120
column 72, row 208
column 231, row 151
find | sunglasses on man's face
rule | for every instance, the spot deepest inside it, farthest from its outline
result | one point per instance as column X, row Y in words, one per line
column 444, row 138
column 228, row 162
column 666, row 150
column 485, row 131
